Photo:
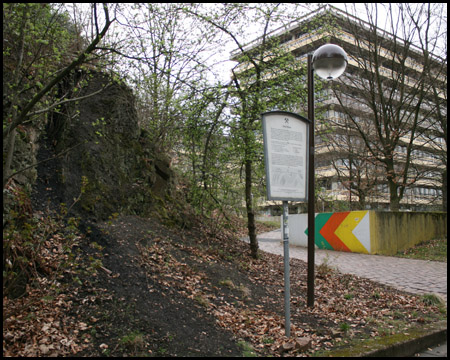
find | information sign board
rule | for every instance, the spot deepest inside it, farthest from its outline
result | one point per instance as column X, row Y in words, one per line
column 286, row 155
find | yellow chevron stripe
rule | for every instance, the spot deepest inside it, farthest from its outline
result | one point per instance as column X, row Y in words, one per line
column 344, row 231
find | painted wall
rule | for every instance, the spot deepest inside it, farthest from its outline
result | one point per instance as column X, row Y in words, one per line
column 368, row 232
column 396, row 231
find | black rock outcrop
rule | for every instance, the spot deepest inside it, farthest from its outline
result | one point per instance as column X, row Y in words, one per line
column 108, row 164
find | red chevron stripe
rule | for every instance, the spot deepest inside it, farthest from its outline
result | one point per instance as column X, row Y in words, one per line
column 330, row 227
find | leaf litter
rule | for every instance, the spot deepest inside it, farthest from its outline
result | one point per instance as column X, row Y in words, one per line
column 224, row 290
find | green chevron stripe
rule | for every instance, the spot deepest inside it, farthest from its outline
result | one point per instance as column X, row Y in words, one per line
column 319, row 240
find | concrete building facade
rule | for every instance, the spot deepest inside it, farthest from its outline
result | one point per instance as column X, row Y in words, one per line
column 382, row 120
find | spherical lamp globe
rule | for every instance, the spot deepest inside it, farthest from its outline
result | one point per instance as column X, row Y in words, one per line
column 329, row 61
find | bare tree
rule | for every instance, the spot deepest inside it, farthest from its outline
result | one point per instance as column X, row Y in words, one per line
column 356, row 171
column 385, row 97
column 430, row 22
column 166, row 63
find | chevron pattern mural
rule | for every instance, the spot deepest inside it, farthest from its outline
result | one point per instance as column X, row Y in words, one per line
column 344, row 231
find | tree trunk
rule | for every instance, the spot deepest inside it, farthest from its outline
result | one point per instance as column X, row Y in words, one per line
column 362, row 200
column 250, row 211
column 11, row 139
column 394, row 203
column 444, row 189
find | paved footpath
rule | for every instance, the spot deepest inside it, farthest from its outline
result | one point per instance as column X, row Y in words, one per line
column 415, row 276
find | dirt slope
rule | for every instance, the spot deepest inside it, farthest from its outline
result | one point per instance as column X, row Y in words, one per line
column 134, row 303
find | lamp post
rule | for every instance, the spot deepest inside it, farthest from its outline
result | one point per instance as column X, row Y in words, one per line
column 329, row 62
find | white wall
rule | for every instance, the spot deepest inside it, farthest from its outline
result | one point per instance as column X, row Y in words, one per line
column 297, row 223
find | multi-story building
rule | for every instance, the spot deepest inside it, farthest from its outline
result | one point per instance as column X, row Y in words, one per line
column 352, row 148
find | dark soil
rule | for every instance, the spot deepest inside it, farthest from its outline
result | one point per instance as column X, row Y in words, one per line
column 132, row 302
column 130, row 297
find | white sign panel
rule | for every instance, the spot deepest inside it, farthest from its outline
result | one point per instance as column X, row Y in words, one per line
column 286, row 155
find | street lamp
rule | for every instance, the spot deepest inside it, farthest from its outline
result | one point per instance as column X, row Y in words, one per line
column 329, row 62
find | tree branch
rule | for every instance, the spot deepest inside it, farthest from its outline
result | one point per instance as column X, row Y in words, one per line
column 77, row 62
column 6, row 179
column 67, row 101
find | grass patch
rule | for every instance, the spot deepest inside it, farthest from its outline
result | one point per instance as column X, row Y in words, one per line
column 433, row 250
column 434, row 300
column 247, row 349
column 358, row 347
column 133, row 341
column 274, row 225
column 267, row 225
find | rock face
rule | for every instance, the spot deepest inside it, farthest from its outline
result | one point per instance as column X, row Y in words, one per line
column 109, row 165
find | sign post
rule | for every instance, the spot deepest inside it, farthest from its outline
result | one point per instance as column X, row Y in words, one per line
column 286, row 157
column 287, row 283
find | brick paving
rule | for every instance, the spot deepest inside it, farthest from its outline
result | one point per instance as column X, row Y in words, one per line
column 415, row 276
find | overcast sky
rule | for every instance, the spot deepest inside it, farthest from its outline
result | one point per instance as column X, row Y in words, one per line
column 221, row 60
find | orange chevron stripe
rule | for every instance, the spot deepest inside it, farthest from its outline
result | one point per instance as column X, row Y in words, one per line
column 328, row 231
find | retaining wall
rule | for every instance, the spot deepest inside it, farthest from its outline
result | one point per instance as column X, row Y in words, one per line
column 370, row 232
